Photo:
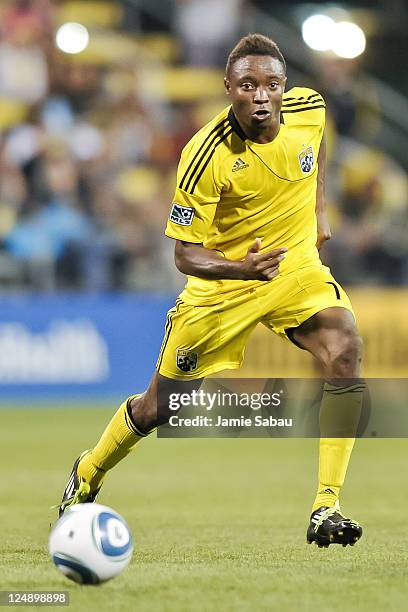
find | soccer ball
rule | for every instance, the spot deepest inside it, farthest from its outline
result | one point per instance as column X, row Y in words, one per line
column 90, row 543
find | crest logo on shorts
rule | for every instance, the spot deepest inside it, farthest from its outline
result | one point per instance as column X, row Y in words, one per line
column 181, row 215
column 186, row 360
column 306, row 160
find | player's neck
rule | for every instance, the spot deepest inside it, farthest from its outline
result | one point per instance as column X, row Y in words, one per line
column 264, row 136
column 260, row 134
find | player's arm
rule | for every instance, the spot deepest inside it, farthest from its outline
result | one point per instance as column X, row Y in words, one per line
column 199, row 186
column 323, row 226
column 196, row 260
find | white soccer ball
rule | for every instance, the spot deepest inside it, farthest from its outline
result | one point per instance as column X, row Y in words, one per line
column 90, row 543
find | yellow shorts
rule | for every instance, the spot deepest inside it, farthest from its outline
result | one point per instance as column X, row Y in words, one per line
column 201, row 340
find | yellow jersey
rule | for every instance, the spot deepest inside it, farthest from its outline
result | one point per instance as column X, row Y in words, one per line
column 231, row 190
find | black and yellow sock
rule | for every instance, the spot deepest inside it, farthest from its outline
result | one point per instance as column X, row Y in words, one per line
column 117, row 441
column 339, row 417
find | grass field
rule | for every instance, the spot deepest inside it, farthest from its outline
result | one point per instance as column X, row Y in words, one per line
column 218, row 524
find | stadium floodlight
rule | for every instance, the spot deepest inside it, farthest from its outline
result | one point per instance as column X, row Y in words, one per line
column 317, row 32
column 349, row 40
column 72, row 37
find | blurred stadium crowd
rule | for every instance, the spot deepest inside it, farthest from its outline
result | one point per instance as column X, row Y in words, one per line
column 90, row 144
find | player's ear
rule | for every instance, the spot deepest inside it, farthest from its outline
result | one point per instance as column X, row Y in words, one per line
column 227, row 86
column 284, row 83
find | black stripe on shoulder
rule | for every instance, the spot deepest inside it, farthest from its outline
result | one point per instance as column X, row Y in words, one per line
column 199, row 175
column 235, row 125
column 315, row 95
column 299, row 110
column 304, row 103
column 209, row 148
column 219, row 127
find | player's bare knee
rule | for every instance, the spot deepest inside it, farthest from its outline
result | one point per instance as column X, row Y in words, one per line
column 344, row 357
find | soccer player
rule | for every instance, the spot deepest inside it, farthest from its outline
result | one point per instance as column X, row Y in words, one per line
column 248, row 219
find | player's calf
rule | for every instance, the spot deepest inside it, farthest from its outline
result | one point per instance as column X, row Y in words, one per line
column 151, row 409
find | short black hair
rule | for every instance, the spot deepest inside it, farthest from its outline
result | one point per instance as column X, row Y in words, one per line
column 254, row 44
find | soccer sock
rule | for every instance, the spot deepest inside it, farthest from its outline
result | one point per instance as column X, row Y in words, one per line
column 339, row 417
column 117, row 441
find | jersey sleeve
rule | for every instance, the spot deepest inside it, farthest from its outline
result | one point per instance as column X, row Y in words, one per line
column 196, row 196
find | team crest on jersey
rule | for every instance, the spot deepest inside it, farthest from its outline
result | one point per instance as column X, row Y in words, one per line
column 181, row 215
column 306, row 160
column 186, row 360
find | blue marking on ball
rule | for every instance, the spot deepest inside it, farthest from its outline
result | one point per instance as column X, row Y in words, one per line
column 64, row 561
column 120, row 532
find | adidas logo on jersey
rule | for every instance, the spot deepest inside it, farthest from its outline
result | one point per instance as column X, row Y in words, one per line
column 239, row 165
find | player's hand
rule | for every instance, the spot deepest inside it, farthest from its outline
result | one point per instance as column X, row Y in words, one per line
column 262, row 266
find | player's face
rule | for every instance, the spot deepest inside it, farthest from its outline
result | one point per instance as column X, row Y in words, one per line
column 255, row 85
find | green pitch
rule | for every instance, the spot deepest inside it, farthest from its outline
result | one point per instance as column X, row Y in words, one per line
column 218, row 524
